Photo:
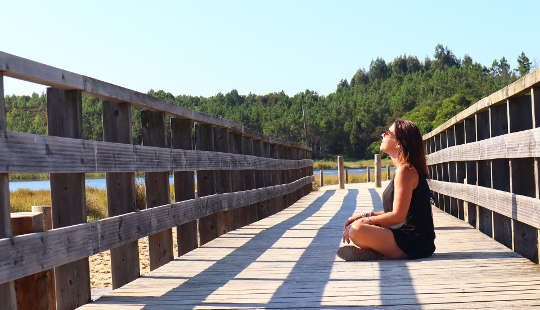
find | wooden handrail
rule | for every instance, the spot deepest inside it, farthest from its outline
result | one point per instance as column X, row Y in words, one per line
column 32, row 71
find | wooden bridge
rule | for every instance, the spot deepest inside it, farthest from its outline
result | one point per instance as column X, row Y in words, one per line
column 255, row 235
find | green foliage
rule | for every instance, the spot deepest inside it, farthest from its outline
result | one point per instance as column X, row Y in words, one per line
column 348, row 121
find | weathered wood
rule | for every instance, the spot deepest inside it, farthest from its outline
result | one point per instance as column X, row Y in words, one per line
column 64, row 118
column 32, row 71
column 378, row 176
column 341, row 175
column 520, row 144
column 249, row 178
column 47, row 225
column 368, row 174
column 7, row 290
column 42, row 251
column 259, row 180
column 521, row 208
column 206, row 184
column 497, row 97
column 33, row 291
column 160, row 245
column 223, row 180
column 21, row 152
column 238, row 182
column 346, row 175
column 321, row 177
column 388, row 173
column 120, row 192
column 184, row 184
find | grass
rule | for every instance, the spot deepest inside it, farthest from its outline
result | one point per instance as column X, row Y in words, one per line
column 96, row 200
column 332, row 164
column 353, row 178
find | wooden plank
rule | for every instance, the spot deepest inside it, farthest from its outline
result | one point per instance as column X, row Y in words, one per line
column 28, row 254
column 206, row 184
column 184, row 184
column 522, row 208
column 120, row 192
column 223, row 180
column 238, row 183
column 157, row 188
column 249, row 178
column 262, row 270
column 513, row 89
column 7, row 290
column 28, row 70
column 21, row 152
column 341, row 176
column 64, row 115
column 520, row 144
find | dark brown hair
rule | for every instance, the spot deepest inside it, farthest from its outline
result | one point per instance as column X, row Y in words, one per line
column 410, row 139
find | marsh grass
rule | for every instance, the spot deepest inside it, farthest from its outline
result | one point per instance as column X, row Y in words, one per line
column 332, row 164
column 96, row 200
column 353, row 178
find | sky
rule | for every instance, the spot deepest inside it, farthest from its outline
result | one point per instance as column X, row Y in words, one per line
column 201, row 48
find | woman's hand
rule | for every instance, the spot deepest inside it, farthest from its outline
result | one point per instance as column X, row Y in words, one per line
column 355, row 217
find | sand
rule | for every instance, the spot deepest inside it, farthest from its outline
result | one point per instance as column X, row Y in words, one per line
column 100, row 264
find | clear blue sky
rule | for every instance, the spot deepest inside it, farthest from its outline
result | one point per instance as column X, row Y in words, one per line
column 205, row 47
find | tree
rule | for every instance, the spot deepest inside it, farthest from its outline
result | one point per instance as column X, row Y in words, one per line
column 378, row 70
column 524, row 64
column 444, row 58
column 467, row 61
column 359, row 78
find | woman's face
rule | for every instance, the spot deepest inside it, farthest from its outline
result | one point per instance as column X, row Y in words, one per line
column 390, row 144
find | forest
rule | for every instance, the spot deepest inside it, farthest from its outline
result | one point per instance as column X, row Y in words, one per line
column 348, row 121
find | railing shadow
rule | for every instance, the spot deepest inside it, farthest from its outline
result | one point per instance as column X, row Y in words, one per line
column 230, row 266
column 319, row 254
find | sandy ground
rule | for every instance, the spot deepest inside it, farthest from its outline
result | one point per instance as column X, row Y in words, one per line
column 100, row 264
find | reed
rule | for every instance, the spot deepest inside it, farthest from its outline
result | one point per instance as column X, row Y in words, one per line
column 332, row 164
column 353, row 178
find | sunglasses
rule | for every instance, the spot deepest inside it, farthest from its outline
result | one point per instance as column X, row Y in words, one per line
column 387, row 132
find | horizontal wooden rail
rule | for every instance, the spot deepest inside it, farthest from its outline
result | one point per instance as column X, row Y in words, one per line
column 519, row 144
column 27, row 254
column 521, row 208
column 516, row 88
column 32, row 71
column 21, row 152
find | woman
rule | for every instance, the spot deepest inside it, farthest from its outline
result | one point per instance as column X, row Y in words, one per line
column 405, row 228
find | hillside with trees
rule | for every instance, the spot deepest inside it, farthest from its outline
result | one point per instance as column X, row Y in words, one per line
column 348, row 121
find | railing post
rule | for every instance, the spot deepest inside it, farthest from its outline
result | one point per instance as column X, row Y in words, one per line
column 223, row 179
column 64, row 113
column 272, row 153
column 279, row 177
column 120, row 192
column 249, row 177
column 346, row 175
column 46, row 212
column 33, row 291
column 259, row 179
column 157, row 188
column 321, row 178
column 206, row 184
column 341, row 175
column 368, row 174
column 7, row 290
column 184, row 184
column 238, row 181
column 377, row 170
column 388, row 172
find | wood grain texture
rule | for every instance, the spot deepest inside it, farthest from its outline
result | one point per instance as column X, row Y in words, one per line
column 516, row 88
column 288, row 261
column 7, row 290
column 206, row 183
column 28, row 254
column 184, row 184
column 25, row 153
column 32, row 71
column 520, row 144
column 68, row 201
column 521, row 208
column 120, row 192
column 160, row 245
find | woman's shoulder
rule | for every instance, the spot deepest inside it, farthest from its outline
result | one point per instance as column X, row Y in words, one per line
column 407, row 175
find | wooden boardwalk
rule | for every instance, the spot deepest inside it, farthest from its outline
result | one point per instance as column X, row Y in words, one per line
column 288, row 260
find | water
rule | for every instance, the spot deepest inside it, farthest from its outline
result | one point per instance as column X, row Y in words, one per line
column 101, row 184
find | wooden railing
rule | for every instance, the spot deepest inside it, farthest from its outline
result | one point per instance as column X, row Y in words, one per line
column 241, row 177
column 484, row 164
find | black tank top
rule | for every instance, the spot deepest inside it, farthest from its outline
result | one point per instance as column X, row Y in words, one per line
column 419, row 218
